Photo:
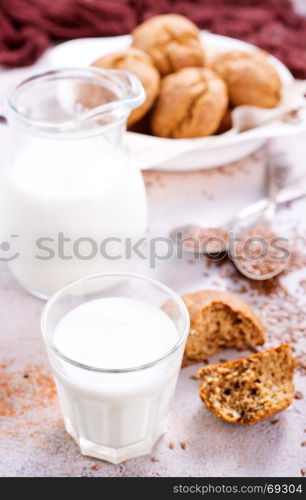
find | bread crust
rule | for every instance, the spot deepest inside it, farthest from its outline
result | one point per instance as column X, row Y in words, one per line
column 250, row 78
column 205, row 371
column 172, row 40
column 191, row 103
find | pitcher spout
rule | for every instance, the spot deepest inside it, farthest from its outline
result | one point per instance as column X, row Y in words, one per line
column 132, row 87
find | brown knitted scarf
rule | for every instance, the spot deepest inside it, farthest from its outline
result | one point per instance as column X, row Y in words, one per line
column 28, row 27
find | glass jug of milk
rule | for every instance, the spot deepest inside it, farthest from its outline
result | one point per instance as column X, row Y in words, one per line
column 73, row 202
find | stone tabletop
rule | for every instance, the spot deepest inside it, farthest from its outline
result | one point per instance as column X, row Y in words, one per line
column 33, row 441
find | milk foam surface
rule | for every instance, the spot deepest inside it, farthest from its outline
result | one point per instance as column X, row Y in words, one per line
column 115, row 332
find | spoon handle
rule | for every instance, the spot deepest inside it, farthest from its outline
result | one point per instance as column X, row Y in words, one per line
column 274, row 173
column 295, row 190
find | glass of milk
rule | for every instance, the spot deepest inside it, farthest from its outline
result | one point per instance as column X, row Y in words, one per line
column 70, row 195
column 115, row 343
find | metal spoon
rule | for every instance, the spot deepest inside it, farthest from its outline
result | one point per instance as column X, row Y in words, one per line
column 294, row 191
column 256, row 252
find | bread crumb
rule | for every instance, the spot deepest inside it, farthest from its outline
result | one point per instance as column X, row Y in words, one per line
column 303, row 443
column 298, row 395
column 171, row 445
column 276, row 421
column 96, row 466
column 183, row 445
column 193, row 377
column 303, row 472
column 154, row 459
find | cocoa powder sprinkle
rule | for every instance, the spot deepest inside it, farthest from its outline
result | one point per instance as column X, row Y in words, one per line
column 21, row 394
column 258, row 255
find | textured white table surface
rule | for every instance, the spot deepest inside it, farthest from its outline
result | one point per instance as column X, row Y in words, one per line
column 33, row 441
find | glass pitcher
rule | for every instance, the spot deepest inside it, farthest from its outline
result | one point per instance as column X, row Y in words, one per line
column 73, row 201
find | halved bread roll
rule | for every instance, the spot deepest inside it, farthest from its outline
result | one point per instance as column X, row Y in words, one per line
column 250, row 389
column 219, row 320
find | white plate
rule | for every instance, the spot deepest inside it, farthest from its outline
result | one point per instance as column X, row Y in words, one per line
column 82, row 52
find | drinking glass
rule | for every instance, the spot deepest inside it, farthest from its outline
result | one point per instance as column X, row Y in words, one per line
column 116, row 414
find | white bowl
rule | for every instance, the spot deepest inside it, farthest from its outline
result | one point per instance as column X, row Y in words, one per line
column 83, row 51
